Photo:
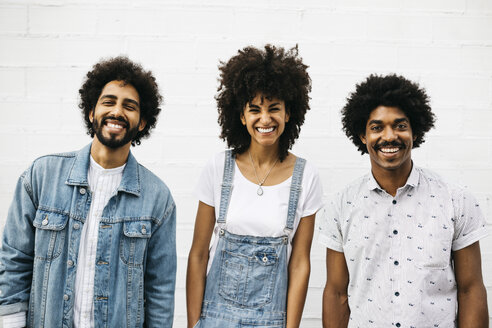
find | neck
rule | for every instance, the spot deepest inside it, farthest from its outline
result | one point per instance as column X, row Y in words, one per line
column 109, row 158
column 391, row 180
column 263, row 155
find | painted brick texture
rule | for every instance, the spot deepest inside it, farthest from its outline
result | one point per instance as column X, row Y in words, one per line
column 48, row 46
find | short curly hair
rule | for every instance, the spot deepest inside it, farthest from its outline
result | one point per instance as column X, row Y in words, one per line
column 392, row 91
column 121, row 68
column 275, row 73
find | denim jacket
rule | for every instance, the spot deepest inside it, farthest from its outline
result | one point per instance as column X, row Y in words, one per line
column 136, row 252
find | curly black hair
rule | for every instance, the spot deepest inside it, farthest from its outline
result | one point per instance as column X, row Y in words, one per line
column 392, row 91
column 122, row 69
column 275, row 73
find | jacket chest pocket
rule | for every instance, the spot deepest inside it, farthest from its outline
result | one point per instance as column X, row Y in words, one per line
column 133, row 244
column 50, row 234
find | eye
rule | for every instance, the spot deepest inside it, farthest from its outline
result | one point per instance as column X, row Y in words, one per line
column 401, row 126
column 130, row 107
column 274, row 109
column 108, row 102
column 375, row 128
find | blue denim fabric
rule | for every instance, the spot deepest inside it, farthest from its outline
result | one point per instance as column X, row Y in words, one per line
column 136, row 252
column 247, row 282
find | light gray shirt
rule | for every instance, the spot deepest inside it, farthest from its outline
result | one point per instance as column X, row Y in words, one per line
column 398, row 249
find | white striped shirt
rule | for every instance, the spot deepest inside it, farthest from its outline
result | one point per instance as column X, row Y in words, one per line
column 103, row 184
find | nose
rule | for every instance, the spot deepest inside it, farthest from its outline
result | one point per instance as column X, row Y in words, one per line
column 265, row 117
column 117, row 109
column 389, row 134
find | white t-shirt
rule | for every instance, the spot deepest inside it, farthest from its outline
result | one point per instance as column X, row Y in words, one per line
column 253, row 215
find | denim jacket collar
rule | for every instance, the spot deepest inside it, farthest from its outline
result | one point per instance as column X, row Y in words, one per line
column 130, row 182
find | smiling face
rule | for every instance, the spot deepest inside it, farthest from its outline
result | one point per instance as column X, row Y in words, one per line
column 265, row 119
column 389, row 140
column 116, row 117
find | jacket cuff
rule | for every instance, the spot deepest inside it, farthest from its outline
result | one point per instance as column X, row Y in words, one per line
column 12, row 308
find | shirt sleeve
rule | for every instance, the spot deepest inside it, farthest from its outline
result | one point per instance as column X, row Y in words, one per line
column 313, row 200
column 204, row 189
column 469, row 220
column 330, row 232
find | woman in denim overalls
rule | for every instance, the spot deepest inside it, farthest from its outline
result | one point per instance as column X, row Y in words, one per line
column 257, row 199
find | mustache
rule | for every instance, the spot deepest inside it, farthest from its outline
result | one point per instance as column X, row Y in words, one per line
column 114, row 118
column 389, row 144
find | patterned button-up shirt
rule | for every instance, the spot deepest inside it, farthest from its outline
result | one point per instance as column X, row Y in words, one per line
column 398, row 249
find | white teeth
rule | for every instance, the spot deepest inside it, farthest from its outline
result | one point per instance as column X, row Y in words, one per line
column 116, row 126
column 389, row 150
column 265, row 130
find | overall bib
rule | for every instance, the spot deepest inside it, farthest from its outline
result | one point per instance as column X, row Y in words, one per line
column 247, row 282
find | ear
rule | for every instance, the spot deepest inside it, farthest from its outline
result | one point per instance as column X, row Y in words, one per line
column 363, row 138
column 91, row 115
column 142, row 124
column 287, row 117
column 243, row 120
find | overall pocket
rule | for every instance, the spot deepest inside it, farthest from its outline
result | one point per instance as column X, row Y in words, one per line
column 133, row 243
column 248, row 281
column 50, row 234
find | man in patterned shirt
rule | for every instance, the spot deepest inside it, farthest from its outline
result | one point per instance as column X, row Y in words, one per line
column 402, row 244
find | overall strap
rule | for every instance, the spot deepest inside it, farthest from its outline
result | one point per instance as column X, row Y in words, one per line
column 295, row 190
column 226, row 189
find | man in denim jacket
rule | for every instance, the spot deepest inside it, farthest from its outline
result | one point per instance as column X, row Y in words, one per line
column 90, row 235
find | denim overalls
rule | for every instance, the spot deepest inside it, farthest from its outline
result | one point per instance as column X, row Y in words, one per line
column 247, row 282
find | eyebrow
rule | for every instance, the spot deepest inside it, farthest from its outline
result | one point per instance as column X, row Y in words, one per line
column 256, row 106
column 396, row 121
column 126, row 99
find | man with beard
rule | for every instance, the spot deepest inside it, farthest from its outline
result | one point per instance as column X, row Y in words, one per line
column 90, row 235
column 402, row 244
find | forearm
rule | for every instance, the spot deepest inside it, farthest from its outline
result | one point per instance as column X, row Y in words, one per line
column 472, row 308
column 336, row 311
column 195, row 286
column 296, row 293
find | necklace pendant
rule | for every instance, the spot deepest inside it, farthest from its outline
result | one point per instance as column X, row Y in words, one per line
column 259, row 191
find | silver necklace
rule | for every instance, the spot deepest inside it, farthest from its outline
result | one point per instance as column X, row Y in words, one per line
column 260, row 183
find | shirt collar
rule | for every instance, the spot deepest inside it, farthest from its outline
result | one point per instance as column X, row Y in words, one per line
column 413, row 180
column 130, row 181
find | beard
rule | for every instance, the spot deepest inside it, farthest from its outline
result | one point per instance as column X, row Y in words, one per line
column 113, row 141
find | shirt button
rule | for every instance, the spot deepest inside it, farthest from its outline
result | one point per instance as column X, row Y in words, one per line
column 398, row 324
column 395, row 232
column 65, row 297
column 394, row 201
column 397, row 294
column 82, row 191
column 76, row 226
column 396, row 262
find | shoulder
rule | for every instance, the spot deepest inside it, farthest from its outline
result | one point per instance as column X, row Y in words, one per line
column 435, row 181
column 54, row 158
column 151, row 182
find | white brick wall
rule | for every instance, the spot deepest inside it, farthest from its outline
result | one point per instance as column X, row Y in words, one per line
column 46, row 47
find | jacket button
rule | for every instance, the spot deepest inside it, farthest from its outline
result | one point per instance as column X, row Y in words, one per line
column 65, row 297
column 44, row 222
column 76, row 226
column 265, row 259
column 221, row 232
column 70, row 262
column 144, row 231
column 82, row 191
